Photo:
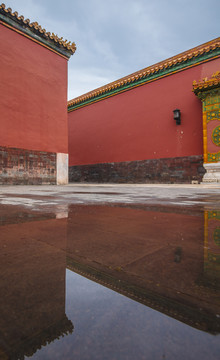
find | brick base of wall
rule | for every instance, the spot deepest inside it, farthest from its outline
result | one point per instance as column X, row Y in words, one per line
column 158, row 171
column 26, row 167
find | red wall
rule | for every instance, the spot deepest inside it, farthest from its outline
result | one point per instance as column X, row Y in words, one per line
column 33, row 95
column 138, row 124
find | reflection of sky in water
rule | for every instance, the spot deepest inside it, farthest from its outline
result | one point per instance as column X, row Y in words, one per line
column 108, row 325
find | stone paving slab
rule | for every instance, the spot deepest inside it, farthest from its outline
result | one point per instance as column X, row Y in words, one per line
column 204, row 195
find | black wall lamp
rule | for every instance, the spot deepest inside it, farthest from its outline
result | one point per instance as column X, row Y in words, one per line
column 176, row 116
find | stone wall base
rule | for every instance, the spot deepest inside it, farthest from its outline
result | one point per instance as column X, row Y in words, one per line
column 158, row 171
column 26, row 167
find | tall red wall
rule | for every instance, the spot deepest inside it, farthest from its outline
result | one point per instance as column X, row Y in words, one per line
column 33, row 95
column 138, row 124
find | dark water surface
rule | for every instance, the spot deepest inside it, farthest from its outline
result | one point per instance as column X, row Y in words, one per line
column 110, row 282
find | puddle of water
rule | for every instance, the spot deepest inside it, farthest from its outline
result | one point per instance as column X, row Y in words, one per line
column 109, row 282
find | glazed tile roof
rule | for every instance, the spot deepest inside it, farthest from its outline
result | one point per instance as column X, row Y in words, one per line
column 176, row 63
column 33, row 29
column 36, row 341
column 206, row 84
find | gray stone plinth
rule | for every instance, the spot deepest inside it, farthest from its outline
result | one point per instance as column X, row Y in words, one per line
column 212, row 174
column 62, row 169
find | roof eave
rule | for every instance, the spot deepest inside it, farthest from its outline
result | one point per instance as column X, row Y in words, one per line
column 183, row 61
column 35, row 32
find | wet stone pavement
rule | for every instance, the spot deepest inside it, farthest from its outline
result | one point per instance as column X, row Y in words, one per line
column 110, row 272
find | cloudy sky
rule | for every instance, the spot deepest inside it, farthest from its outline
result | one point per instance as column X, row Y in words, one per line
column 117, row 37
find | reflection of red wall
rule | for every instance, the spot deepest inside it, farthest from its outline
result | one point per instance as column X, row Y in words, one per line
column 32, row 94
column 140, row 246
column 32, row 287
column 138, row 124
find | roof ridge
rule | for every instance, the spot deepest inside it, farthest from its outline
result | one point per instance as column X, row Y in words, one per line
column 36, row 28
column 207, row 83
column 148, row 71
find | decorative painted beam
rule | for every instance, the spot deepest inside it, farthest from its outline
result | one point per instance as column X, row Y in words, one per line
column 208, row 90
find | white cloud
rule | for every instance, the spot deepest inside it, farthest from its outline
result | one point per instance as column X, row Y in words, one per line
column 28, row 8
column 83, row 80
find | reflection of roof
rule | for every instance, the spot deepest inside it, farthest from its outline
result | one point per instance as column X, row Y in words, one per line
column 36, row 32
column 174, row 64
column 32, row 344
column 191, row 315
column 207, row 84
